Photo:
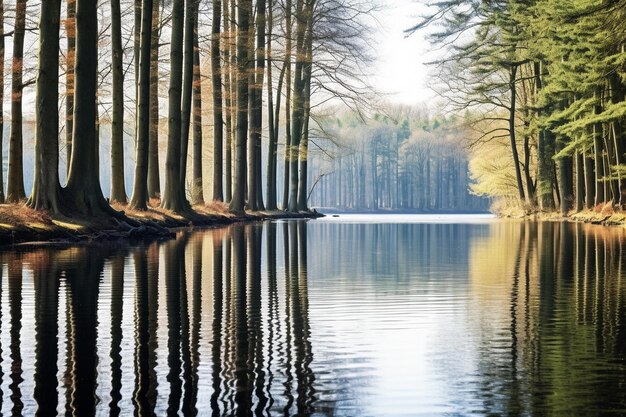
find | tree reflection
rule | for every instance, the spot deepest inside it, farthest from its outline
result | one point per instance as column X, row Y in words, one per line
column 83, row 273
column 260, row 352
column 46, row 278
column 143, row 407
column 117, row 307
column 566, row 321
column 15, row 311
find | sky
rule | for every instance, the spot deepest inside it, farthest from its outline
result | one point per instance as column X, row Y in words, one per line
column 400, row 69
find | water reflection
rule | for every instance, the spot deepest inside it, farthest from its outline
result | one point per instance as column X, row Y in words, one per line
column 297, row 318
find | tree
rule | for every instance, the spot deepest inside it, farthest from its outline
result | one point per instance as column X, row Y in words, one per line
column 244, row 12
column 70, row 63
column 174, row 196
column 1, row 99
column 83, row 190
column 15, row 180
column 306, row 112
column 228, row 99
column 140, row 190
column 218, row 121
column 154, row 185
column 485, row 68
column 272, row 114
column 255, row 192
column 118, row 190
column 304, row 21
column 46, row 187
column 288, row 75
column 197, row 191
column 191, row 14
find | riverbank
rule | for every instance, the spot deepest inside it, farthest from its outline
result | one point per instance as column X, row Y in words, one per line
column 604, row 215
column 20, row 225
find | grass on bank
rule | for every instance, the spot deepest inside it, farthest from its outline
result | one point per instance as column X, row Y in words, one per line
column 19, row 223
column 606, row 213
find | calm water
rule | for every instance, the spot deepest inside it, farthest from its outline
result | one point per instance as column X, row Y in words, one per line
column 336, row 317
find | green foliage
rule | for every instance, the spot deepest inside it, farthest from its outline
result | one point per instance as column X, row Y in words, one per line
column 564, row 61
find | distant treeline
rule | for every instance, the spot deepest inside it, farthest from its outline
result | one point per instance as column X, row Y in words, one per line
column 398, row 160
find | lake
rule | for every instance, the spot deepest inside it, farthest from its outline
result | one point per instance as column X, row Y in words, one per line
column 358, row 315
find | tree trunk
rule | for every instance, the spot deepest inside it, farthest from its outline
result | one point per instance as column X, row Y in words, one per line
column 174, row 197
column 288, row 53
column 270, row 179
column 611, row 160
column 228, row 103
column 243, row 66
column 139, row 200
column 545, row 151
column 15, row 180
column 136, row 58
column 154, row 180
column 298, row 105
column 530, row 187
column 1, row 101
column 304, row 142
column 197, row 190
column 118, row 190
column 273, row 118
column 255, row 201
column 83, row 190
column 46, row 187
column 191, row 11
column 518, row 174
column 70, row 64
column 566, row 184
column 218, row 122
column 590, row 185
column 258, row 116
column 617, row 96
column 580, row 181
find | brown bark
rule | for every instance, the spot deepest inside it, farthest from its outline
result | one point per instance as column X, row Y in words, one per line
column 255, row 191
column 46, row 187
column 191, row 12
column 15, row 180
column 70, row 63
column 83, row 190
column 154, row 181
column 218, row 122
column 244, row 12
column 228, row 102
column 288, row 53
column 118, row 189
column 139, row 199
column 173, row 196
column 197, row 188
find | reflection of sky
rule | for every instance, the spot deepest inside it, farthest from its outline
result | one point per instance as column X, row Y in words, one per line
column 393, row 336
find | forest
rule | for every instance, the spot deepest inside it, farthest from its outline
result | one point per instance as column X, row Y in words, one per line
column 401, row 158
column 151, row 73
column 267, row 105
column 545, row 79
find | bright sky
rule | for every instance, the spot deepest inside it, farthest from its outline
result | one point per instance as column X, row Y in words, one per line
column 400, row 68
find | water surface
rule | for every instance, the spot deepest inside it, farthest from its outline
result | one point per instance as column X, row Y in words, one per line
column 348, row 316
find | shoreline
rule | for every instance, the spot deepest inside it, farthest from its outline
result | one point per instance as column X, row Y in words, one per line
column 21, row 227
column 603, row 216
column 30, row 229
